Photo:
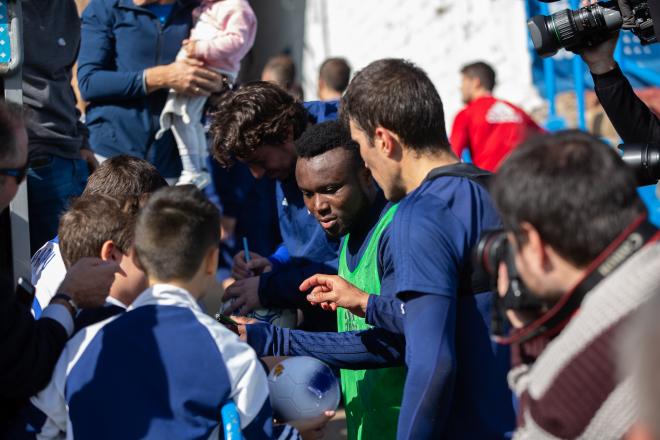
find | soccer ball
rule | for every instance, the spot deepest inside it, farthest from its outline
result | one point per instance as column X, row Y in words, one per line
column 302, row 388
column 287, row 318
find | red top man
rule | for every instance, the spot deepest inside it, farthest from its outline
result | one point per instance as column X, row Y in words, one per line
column 490, row 128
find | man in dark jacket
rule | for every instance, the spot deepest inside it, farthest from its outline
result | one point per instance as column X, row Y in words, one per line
column 29, row 349
column 125, row 68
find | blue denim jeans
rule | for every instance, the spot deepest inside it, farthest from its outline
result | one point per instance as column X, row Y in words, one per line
column 52, row 182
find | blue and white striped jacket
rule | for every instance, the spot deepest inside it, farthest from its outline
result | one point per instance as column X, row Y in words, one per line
column 163, row 369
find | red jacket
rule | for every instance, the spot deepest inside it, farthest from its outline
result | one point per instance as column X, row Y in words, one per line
column 490, row 128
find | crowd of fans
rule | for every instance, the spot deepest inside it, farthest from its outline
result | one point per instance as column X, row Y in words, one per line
column 361, row 216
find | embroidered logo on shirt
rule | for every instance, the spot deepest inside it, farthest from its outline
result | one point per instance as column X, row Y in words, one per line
column 502, row 113
column 61, row 42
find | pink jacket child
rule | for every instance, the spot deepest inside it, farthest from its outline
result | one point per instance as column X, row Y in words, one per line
column 222, row 35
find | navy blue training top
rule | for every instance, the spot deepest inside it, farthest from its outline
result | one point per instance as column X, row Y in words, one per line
column 456, row 386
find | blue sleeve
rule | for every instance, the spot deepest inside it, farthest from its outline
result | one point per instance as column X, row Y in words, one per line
column 98, row 77
column 373, row 348
column 429, row 255
column 385, row 310
column 386, row 313
column 431, row 361
column 279, row 288
column 280, row 257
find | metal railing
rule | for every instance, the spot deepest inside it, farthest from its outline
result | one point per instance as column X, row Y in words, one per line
column 11, row 60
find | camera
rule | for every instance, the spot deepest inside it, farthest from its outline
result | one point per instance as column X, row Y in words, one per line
column 644, row 159
column 494, row 249
column 590, row 25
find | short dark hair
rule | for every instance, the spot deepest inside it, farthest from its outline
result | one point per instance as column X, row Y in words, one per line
column 283, row 69
column 257, row 114
column 481, row 71
column 336, row 73
column 92, row 220
column 398, row 96
column 574, row 189
column 174, row 232
column 11, row 118
column 325, row 136
column 124, row 175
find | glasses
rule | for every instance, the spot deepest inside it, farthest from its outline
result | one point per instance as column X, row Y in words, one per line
column 16, row 173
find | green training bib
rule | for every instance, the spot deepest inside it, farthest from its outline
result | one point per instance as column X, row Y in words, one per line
column 372, row 397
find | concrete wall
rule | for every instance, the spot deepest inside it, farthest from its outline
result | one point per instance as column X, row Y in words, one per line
column 280, row 29
column 438, row 35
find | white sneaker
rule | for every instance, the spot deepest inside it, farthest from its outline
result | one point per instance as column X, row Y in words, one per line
column 200, row 179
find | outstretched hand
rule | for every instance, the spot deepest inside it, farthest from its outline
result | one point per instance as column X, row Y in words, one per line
column 332, row 291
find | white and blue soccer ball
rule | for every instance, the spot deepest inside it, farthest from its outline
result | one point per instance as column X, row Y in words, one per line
column 302, row 388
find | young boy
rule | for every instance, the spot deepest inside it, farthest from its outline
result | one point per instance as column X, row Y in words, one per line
column 94, row 226
column 102, row 226
column 164, row 369
column 119, row 177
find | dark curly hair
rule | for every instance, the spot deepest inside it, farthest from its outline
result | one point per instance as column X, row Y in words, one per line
column 326, row 136
column 259, row 113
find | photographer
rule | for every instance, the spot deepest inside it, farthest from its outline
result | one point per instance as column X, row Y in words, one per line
column 582, row 246
column 631, row 118
column 29, row 349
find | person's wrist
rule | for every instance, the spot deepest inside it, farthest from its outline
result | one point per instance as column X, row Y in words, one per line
column 601, row 67
column 154, row 78
column 364, row 303
column 68, row 302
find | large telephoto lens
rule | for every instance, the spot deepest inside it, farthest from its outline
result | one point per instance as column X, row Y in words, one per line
column 573, row 29
column 644, row 159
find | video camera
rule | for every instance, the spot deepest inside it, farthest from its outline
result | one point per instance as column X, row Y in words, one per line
column 590, row 25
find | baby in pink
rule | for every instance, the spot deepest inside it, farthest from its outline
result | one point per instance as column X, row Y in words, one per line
column 222, row 35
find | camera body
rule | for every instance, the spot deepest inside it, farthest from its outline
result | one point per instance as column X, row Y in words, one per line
column 590, row 26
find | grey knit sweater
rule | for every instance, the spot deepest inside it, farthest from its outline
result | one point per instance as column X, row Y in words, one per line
column 573, row 389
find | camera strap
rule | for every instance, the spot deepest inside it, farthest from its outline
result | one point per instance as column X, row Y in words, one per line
column 635, row 237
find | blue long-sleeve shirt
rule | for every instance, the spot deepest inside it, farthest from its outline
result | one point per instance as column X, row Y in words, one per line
column 456, row 385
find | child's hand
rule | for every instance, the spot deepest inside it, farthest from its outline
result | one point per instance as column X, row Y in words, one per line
column 189, row 46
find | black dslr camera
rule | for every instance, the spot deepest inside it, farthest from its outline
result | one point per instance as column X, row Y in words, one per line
column 644, row 159
column 492, row 250
column 590, row 25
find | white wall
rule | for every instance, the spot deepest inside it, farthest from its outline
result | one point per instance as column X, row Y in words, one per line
column 438, row 35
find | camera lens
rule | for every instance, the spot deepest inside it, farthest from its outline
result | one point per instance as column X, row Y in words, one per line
column 644, row 159
column 573, row 29
column 545, row 41
column 490, row 251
